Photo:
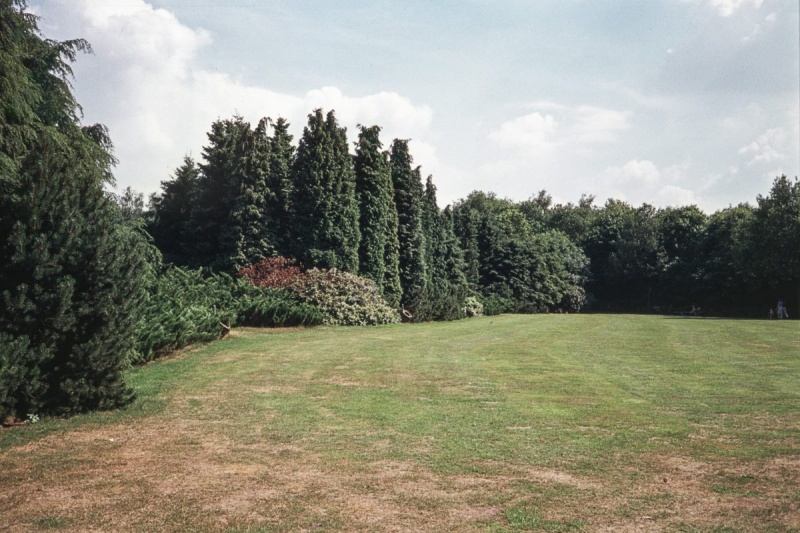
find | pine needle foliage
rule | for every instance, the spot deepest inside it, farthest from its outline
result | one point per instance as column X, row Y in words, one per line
column 326, row 231
column 171, row 211
column 230, row 225
column 408, row 192
column 186, row 306
column 279, row 182
column 446, row 283
column 378, row 217
column 72, row 279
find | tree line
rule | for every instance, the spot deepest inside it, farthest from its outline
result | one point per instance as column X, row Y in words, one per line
column 254, row 196
column 737, row 261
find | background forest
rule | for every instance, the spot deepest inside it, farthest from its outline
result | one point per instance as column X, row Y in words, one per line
column 255, row 196
column 264, row 232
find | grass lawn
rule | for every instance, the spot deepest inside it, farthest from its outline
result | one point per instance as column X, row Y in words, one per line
column 514, row 423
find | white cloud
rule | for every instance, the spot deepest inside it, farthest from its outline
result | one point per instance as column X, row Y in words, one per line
column 547, row 105
column 635, row 171
column 766, row 148
column 676, row 196
column 726, row 8
column 152, row 38
column 642, row 181
column 538, row 150
column 146, row 84
column 555, row 126
column 390, row 110
column 534, row 131
column 598, row 125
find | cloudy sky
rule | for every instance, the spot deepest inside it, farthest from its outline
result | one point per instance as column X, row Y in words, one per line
column 670, row 102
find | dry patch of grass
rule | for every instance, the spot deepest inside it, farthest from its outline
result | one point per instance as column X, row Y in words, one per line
column 175, row 476
column 178, row 475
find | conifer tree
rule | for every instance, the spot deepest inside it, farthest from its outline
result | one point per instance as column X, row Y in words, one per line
column 392, row 287
column 279, row 181
column 323, row 199
column 249, row 233
column 346, row 215
column 431, row 225
column 455, row 265
column 215, row 193
column 375, row 201
column 446, row 283
column 171, row 211
column 229, row 224
column 73, row 272
column 466, row 222
column 408, row 193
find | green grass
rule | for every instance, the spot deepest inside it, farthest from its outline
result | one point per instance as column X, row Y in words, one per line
column 542, row 423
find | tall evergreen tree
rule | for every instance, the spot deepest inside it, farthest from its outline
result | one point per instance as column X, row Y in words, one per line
column 171, row 211
column 431, row 227
column 375, row 203
column 323, row 199
column 249, row 233
column 465, row 224
column 280, row 184
column 392, row 287
column 215, row 193
column 446, row 284
column 230, row 228
column 408, row 194
column 73, row 271
column 455, row 266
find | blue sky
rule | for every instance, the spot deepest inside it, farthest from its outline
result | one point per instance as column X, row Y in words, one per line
column 670, row 102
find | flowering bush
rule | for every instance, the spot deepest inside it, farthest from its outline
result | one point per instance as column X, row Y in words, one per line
column 344, row 299
column 473, row 307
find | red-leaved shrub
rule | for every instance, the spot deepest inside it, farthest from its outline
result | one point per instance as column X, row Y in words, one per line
column 273, row 272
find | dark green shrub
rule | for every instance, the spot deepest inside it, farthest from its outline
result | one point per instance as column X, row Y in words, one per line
column 275, row 308
column 186, row 306
column 495, row 305
column 183, row 306
column 20, row 376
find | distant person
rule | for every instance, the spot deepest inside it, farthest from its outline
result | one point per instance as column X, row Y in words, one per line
column 771, row 313
column 695, row 310
column 782, row 313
